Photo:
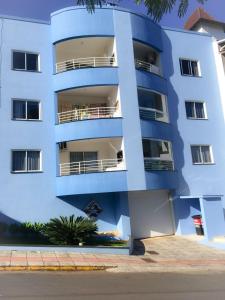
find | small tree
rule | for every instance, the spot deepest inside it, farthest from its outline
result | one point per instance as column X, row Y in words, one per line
column 70, row 230
column 155, row 8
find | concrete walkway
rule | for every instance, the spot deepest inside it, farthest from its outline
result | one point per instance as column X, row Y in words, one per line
column 151, row 255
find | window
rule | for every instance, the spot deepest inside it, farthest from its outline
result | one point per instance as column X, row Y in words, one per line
column 26, row 161
column 189, row 67
column 156, row 149
column 195, row 110
column 26, row 110
column 201, row 154
column 24, row 61
column 152, row 105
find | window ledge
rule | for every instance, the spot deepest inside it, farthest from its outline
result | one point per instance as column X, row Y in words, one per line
column 203, row 164
column 29, row 71
column 197, row 119
column 26, row 172
column 27, row 120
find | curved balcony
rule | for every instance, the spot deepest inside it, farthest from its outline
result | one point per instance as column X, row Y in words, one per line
column 91, row 166
column 78, row 22
column 91, row 183
column 146, row 66
column 85, row 77
column 86, row 114
column 86, row 62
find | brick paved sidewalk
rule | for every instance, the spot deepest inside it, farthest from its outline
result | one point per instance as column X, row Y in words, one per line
column 160, row 254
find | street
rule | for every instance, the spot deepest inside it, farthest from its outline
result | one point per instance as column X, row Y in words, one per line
column 103, row 285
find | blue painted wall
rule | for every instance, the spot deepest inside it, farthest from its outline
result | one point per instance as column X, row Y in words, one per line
column 34, row 197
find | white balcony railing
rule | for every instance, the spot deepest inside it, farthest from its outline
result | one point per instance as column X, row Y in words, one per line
column 86, row 62
column 153, row 114
column 86, row 113
column 158, row 165
column 146, row 66
column 91, row 166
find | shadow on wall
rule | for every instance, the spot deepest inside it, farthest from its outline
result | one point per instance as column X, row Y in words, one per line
column 178, row 144
column 109, row 204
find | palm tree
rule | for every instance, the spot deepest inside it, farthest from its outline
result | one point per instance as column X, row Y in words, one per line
column 155, row 8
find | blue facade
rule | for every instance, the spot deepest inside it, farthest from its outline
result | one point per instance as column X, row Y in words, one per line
column 91, row 68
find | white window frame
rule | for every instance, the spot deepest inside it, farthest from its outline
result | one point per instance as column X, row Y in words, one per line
column 26, row 119
column 210, row 151
column 190, row 60
column 25, row 53
column 26, row 170
column 195, row 117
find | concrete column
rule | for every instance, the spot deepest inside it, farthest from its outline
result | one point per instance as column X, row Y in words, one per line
column 129, row 102
column 122, row 216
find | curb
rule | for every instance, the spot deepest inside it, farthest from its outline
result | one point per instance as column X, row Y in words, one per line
column 55, row 268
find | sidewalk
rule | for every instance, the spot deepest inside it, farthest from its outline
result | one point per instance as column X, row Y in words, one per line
column 162, row 254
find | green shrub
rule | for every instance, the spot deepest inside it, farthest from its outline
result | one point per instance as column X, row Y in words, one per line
column 70, row 230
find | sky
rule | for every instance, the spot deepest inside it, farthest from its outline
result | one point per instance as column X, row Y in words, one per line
column 41, row 9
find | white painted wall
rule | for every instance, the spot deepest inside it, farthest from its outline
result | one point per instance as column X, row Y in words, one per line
column 150, row 214
column 215, row 30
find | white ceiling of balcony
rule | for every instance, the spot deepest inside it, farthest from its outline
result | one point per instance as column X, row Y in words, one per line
column 97, row 91
column 84, row 47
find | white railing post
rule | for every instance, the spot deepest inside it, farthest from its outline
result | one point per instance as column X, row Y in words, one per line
column 94, row 62
column 79, row 167
column 101, row 163
column 98, row 113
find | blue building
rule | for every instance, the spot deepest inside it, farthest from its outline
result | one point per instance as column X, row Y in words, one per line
column 112, row 116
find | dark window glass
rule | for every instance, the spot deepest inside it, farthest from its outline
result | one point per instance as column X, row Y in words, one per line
column 32, row 62
column 146, row 148
column 33, row 160
column 19, row 161
column 194, row 68
column 19, row 61
column 199, row 109
column 190, row 109
column 19, row 109
column 185, row 67
column 32, row 110
column 196, row 154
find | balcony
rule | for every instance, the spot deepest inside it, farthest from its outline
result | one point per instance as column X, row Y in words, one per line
column 152, row 105
column 157, row 155
column 86, row 114
column 92, row 52
column 146, row 58
column 87, row 62
column 101, row 102
column 91, row 166
column 158, row 165
column 91, row 156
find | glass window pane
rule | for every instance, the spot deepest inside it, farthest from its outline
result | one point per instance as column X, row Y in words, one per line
column 185, row 67
column 196, row 154
column 146, row 148
column 32, row 62
column 206, row 156
column 19, row 109
column 19, row 161
column 19, row 60
column 199, row 109
column 32, row 110
column 33, row 160
column 190, row 112
column 194, row 68
column 155, row 149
